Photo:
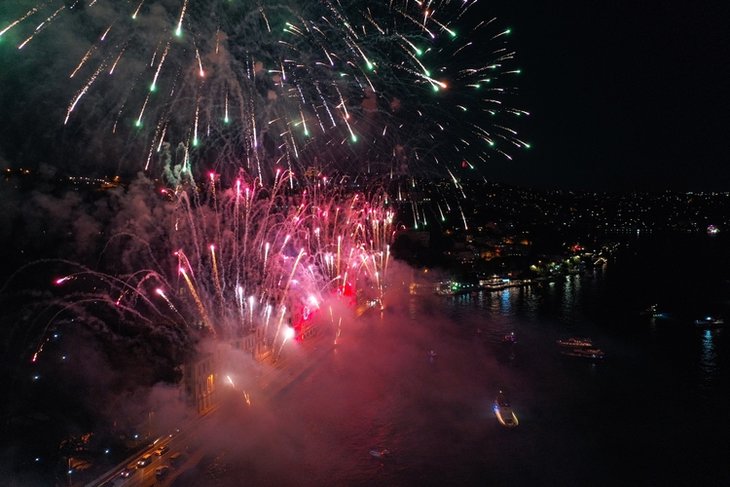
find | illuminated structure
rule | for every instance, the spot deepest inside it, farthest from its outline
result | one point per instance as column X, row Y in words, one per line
column 200, row 378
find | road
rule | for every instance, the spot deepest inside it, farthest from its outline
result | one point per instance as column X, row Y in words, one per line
column 272, row 379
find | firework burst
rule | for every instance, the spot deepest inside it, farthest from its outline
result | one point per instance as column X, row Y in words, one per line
column 387, row 87
column 247, row 260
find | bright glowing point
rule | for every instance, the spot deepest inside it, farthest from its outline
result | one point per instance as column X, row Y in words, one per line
column 289, row 333
column 226, row 120
column 178, row 32
column 353, row 138
column 138, row 123
column 153, row 87
column 196, row 142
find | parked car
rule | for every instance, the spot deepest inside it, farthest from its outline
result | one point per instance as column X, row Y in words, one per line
column 161, row 472
column 176, row 458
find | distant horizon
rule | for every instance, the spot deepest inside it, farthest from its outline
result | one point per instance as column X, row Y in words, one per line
column 61, row 174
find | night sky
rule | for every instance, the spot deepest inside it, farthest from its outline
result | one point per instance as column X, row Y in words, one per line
column 623, row 95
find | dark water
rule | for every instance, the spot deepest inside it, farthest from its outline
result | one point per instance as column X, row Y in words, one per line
column 653, row 412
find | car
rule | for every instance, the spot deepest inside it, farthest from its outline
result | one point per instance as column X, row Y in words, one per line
column 162, row 450
column 145, row 460
column 162, row 472
column 128, row 470
column 176, row 458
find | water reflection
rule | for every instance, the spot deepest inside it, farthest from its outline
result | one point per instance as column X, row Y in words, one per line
column 708, row 358
column 571, row 294
column 505, row 304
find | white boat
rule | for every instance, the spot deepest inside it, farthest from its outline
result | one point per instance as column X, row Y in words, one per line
column 503, row 410
column 379, row 452
column 709, row 321
column 575, row 342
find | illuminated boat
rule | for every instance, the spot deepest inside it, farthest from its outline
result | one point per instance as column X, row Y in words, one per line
column 709, row 321
column 510, row 338
column 575, row 342
column 584, row 352
column 650, row 311
column 503, row 410
column 653, row 311
column 379, row 452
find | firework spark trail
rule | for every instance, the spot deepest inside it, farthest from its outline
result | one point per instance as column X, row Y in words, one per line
column 136, row 11
column 19, row 20
column 153, row 86
column 178, row 30
column 216, row 276
column 160, row 292
column 83, row 60
column 196, row 297
column 81, row 93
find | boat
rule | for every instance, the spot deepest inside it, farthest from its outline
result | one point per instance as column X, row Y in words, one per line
column 575, row 342
column 380, row 452
column 584, row 352
column 653, row 312
column 503, row 410
column 510, row 338
column 650, row 310
column 709, row 321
